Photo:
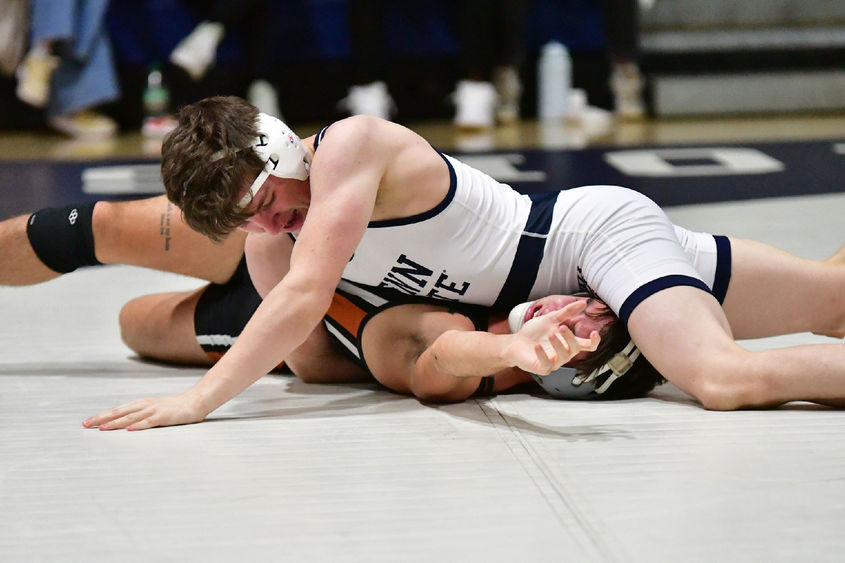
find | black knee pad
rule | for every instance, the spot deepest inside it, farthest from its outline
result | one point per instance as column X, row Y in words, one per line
column 62, row 237
column 223, row 311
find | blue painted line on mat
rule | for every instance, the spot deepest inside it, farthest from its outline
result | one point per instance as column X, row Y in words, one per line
column 804, row 168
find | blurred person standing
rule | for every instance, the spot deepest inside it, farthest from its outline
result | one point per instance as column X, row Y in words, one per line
column 69, row 69
column 368, row 95
column 491, row 34
column 491, row 38
column 197, row 52
column 622, row 30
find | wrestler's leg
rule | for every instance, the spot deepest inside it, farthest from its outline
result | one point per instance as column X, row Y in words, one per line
column 684, row 333
column 147, row 233
column 151, row 233
column 161, row 327
column 194, row 327
column 773, row 292
column 317, row 360
column 198, row 327
column 19, row 264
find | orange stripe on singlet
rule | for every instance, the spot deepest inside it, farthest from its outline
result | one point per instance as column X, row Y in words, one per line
column 342, row 311
column 215, row 357
column 346, row 314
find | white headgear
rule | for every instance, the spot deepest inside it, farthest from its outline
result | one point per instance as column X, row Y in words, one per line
column 565, row 382
column 282, row 152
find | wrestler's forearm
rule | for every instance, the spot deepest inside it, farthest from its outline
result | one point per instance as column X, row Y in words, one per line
column 281, row 323
column 541, row 345
column 461, row 354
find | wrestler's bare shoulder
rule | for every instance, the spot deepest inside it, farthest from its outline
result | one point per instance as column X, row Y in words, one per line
column 413, row 177
column 372, row 133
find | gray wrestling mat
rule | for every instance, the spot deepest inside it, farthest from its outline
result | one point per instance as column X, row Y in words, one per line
column 296, row 472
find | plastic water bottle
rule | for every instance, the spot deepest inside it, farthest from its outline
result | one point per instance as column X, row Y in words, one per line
column 554, row 74
column 156, row 101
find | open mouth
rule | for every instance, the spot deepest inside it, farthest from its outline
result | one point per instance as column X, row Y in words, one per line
column 292, row 220
column 532, row 312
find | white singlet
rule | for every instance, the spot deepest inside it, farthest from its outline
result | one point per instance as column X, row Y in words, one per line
column 489, row 245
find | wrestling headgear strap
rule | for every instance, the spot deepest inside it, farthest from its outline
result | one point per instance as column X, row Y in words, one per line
column 566, row 382
column 282, row 152
column 614, row 368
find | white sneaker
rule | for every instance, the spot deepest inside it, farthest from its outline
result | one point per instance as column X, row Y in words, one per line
column 262, row 95
column 475, row 104
column 196, row 52
column 627, row 86
column 369, row 99
column 85, row 125
column 34, row 75
column 509, row 88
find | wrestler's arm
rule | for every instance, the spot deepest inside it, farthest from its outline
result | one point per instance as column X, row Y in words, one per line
column 344, row 182
column 267, row 260
column 437, row 355
column 541, row 346
column 316, row 360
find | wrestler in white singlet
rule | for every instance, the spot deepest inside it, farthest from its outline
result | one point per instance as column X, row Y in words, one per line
column 487, row 244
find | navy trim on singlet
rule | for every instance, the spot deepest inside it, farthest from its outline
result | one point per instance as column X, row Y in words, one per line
column 529, row 252
column 319, row 136
column 419, row 217
column 453, row 186
column 652, row 287
column 723, row 267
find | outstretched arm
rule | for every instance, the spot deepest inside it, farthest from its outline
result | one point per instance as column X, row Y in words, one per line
column 344, row 183
column 542, row 345
column 437, row 355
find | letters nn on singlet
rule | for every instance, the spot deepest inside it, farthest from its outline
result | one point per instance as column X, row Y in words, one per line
column 412, row 278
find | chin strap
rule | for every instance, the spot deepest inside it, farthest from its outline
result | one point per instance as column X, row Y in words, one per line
column 283, row 153
column 616, row 367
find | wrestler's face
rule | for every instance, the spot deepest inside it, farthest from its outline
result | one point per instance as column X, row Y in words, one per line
column 582, row 324
column 280, row 205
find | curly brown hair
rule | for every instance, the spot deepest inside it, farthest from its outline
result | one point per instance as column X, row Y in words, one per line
column 207, row 163
column 638, row 381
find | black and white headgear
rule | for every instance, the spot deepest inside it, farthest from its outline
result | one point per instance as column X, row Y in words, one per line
column 565, row 382
column 283, row 153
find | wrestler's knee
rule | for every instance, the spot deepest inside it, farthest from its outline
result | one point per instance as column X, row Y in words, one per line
column 158, row 325
column 836, row 324
column 134, row 328
column 161, row 327
column 731, row 383
column 106, row 222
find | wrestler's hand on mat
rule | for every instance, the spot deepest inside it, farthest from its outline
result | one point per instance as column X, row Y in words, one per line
column 149, row 413
column 544, row 343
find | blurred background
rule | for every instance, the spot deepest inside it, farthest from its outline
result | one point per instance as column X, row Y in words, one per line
column 671, row 58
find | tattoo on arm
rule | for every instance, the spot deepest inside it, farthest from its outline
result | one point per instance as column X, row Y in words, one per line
column 164, row 230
